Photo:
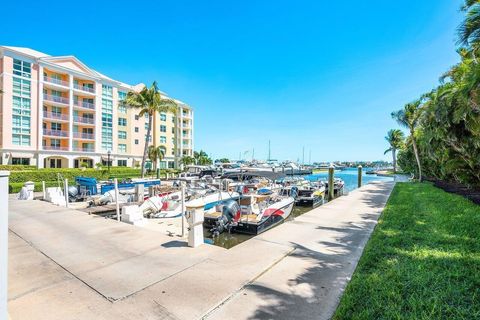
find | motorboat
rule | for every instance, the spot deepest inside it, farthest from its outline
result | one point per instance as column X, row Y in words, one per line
column 170, row 206
column 253, row 214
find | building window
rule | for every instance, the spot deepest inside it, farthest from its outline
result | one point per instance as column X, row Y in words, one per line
column 136, row 141
column 107, row 105
column 121, row 95
column 163, row 117
column 122, row 134
column 21, row 109
column 136, row 129
column 22, row 68
column 55, row 143
column 171, row 164
column 56, row 126
column 107, row 91
column 107, row 120
column 122, row 108
column 136, row 117
column 146, row 126
column 21, row 161
column 163, row 128
column 21, row 87
column 149, row 138
column 122, row 163
column 122, row 148
column 55, row 163
column 122, row 121
column 107, row 124
column 163, row 139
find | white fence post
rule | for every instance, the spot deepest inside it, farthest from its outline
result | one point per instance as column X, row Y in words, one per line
column 3, row 243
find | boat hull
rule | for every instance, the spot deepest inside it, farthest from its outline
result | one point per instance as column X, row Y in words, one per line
column 277, row 217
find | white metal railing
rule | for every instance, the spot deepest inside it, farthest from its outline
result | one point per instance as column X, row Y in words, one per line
column 83, row 88
column 55, row 133
column 84, row 104
column 55, row 115
column 55, row 148
column 55, row 80
column 84, row 120
column 84, row 135
column 83, row 149
column 53, row 98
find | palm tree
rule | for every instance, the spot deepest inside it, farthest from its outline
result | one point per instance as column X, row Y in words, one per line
column 149, row 101
column 395, row 138
column 187, row 160
column 408, row 117
column 201, row 158
column 469, row 30
column 154, row 154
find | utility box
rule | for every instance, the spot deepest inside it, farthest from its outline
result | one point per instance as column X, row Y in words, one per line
column 195, row 216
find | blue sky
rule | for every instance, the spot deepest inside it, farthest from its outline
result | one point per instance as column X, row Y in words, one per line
column 323, row 75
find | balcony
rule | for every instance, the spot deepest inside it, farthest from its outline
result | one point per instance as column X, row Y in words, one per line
column 85, row 105
column 83, row 120
column 83, row 88
column 55, row 81
column 56, row 99
column 55, row 116
column 83, row 149
column 55, row 133
column 55, row 148
column 82, row 135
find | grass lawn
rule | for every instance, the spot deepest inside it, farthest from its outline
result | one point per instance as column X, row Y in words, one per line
column 422, row 261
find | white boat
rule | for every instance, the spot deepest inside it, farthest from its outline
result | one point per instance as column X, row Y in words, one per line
column 171, row 205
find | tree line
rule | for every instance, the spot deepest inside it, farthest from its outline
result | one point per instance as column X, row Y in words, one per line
column 444, row 124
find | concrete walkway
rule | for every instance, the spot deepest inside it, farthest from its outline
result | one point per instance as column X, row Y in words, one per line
column 64, row 264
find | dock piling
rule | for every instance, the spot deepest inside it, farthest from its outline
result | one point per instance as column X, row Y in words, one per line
column 359, row 176
column 183, row 209
column 331, row 185
column 65, row 191
column 117, row 204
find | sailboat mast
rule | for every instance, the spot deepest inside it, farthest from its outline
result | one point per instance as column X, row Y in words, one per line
column 268, row 150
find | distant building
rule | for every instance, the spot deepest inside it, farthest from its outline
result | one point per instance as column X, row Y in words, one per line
column 56, row 112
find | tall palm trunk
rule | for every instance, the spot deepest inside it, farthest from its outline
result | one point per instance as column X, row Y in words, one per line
column 145, row 149
column 394, row 154
column 417, row 157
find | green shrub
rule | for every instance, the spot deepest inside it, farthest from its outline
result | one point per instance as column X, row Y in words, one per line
column 16, row 167
column 17, row 186
column 70, row 174
column 18, row 178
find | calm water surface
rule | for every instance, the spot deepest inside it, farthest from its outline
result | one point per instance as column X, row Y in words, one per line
column 349, row 175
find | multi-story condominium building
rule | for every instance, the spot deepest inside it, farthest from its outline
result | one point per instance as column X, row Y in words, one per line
column 56, row 112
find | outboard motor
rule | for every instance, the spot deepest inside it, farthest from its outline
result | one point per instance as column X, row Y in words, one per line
column 294, row 192
column 72, row 193
column 229, row 211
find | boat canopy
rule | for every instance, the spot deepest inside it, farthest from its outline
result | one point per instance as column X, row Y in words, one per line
column 246, row 175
